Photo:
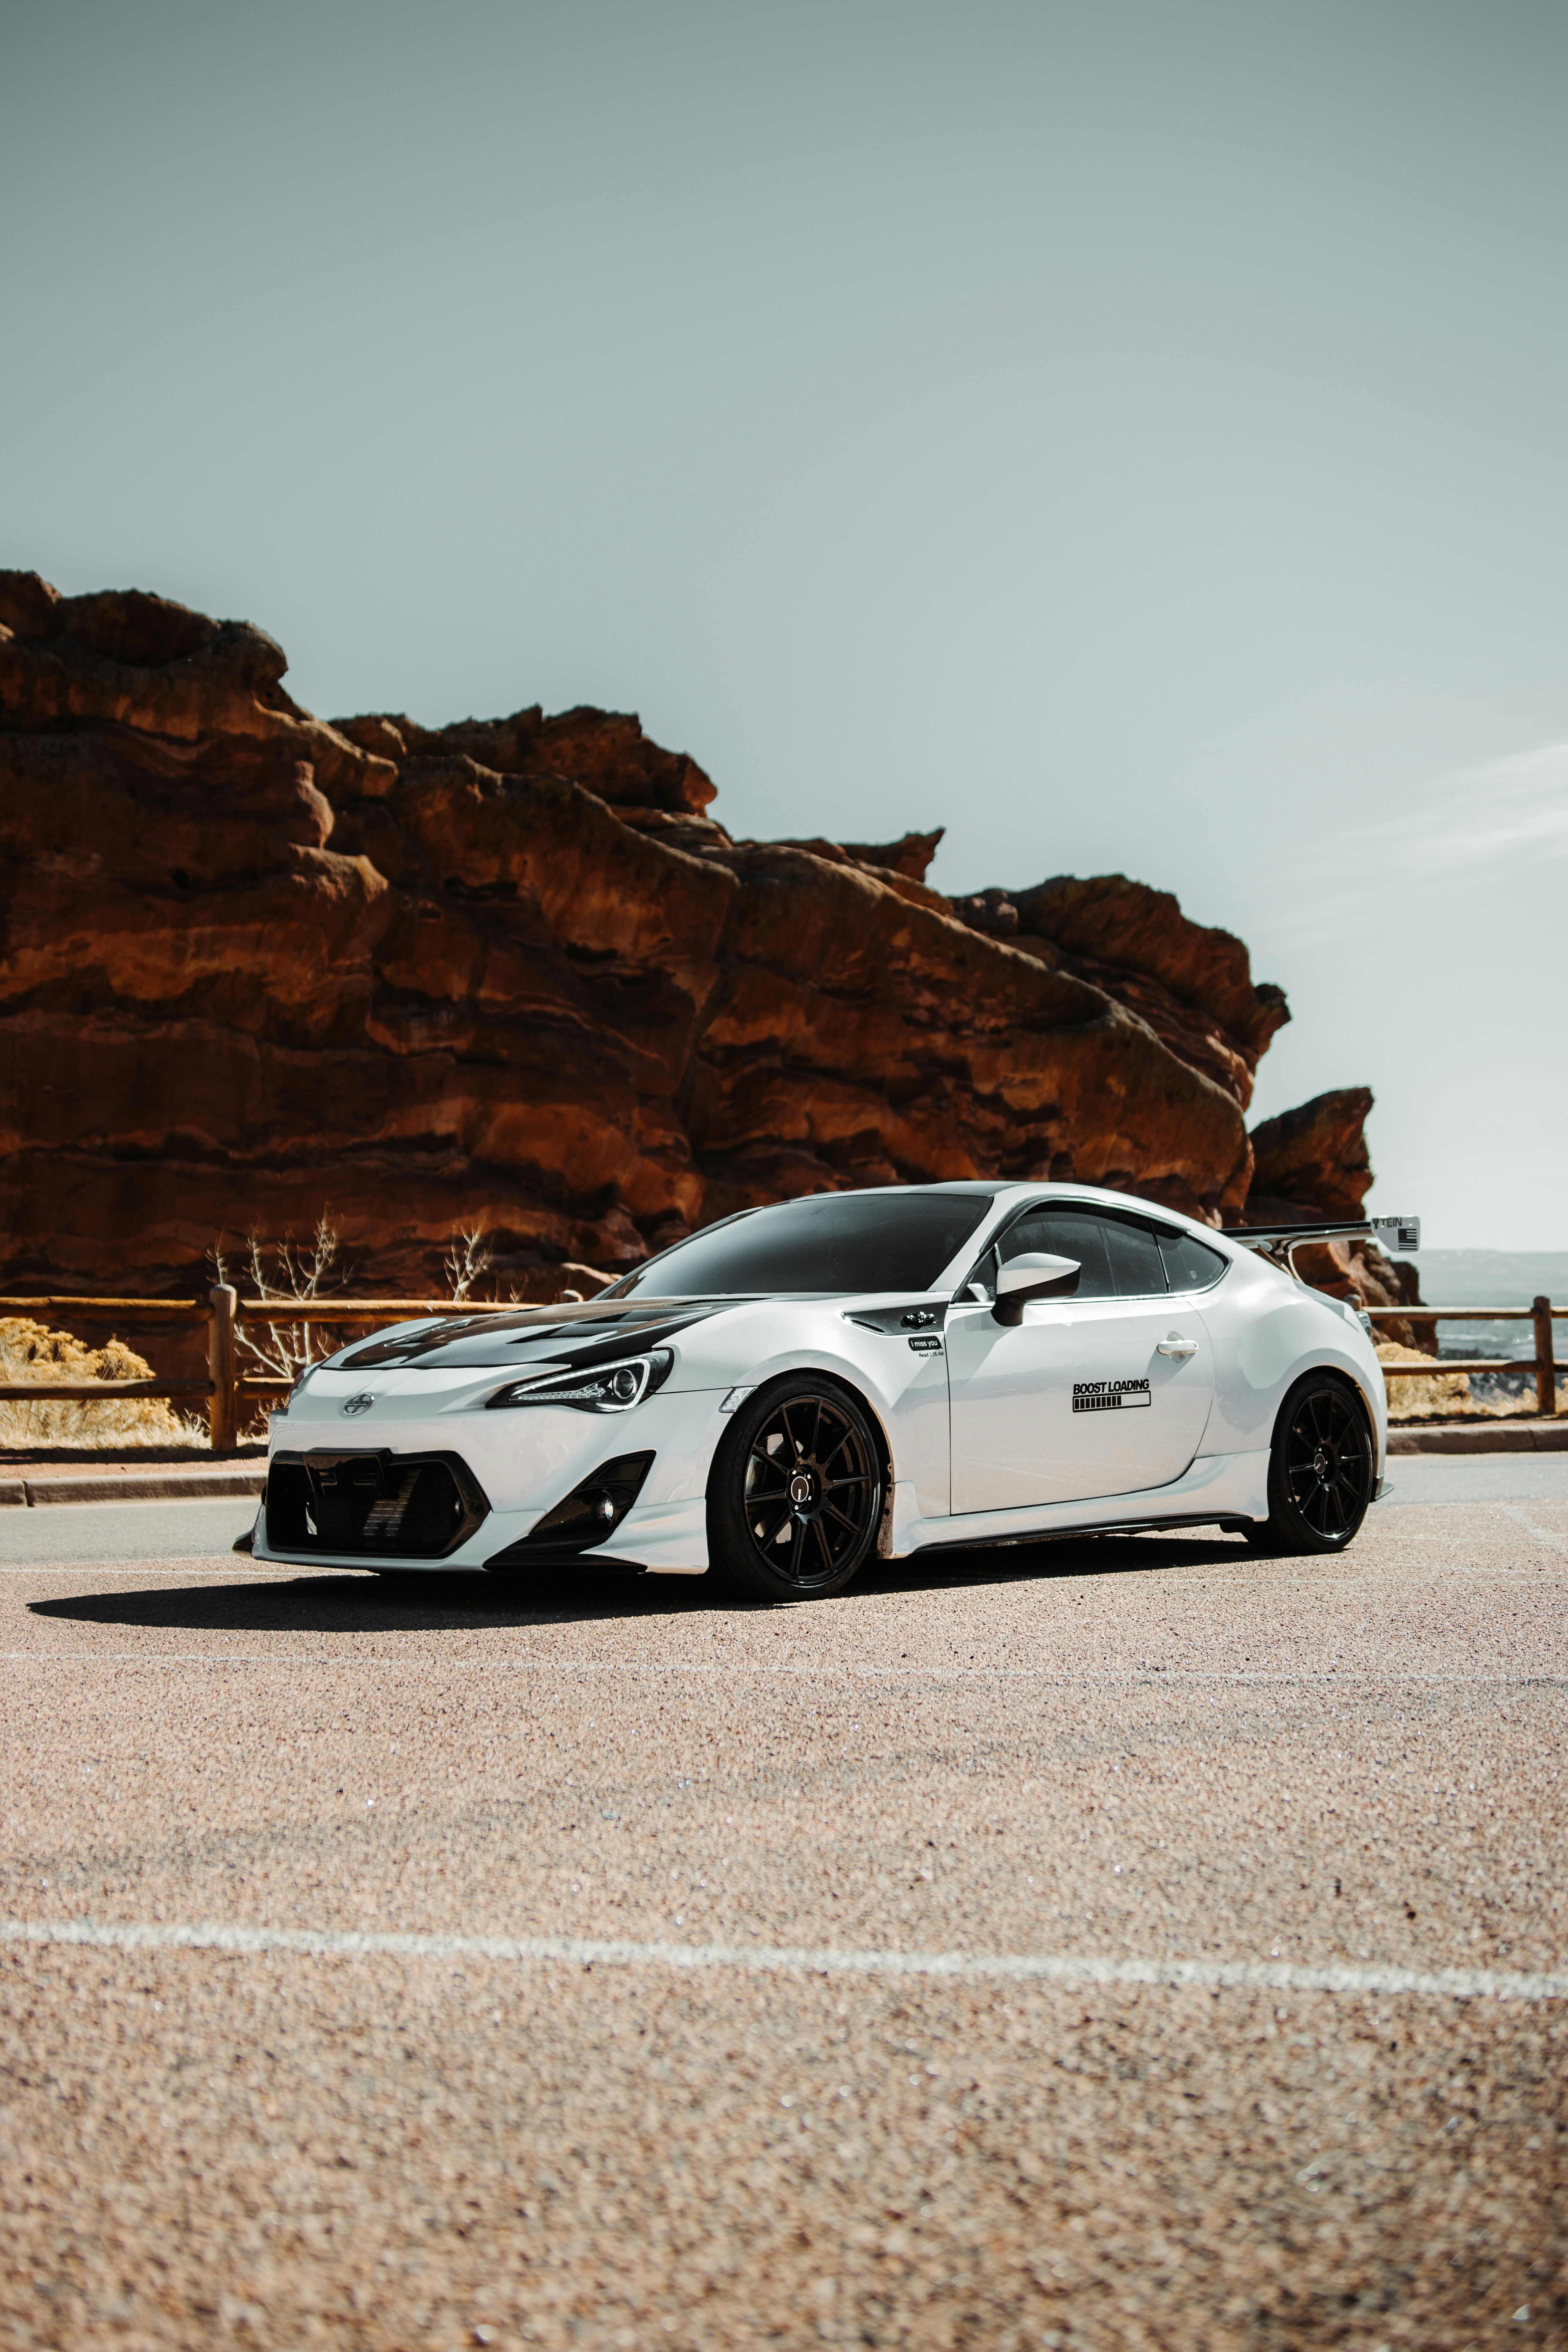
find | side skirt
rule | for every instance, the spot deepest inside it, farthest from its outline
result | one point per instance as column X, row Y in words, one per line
column 1216, row 1487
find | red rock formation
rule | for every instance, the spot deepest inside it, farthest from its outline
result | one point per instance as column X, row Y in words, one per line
column 1192, row 986
column 604, row 751
column 1313, row 1159
column 1314, row 1163
column 511, row 973
column 907, row 857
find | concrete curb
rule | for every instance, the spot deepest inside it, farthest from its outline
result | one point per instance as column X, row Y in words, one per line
column 136, row 1486
column 1497, row 1437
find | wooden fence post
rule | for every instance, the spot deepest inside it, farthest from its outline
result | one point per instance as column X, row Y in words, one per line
column 222, row 1368
column 1545, row 1365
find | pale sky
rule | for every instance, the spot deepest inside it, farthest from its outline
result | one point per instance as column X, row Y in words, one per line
column 1131, row 435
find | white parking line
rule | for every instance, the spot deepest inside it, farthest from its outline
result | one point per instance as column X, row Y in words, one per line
column 1054, row 1677
column 1542, row 1535
column 581, row 1952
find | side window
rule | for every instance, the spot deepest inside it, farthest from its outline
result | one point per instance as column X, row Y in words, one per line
column 1134, row 1258
column 1191, row 1264
column 1122, row 1257
column 1119, row 1256
column 1069, row 1233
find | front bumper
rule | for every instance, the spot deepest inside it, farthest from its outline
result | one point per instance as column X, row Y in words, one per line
column 521, row 1464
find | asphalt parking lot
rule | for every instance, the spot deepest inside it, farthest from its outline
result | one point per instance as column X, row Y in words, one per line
column 1127, row 1941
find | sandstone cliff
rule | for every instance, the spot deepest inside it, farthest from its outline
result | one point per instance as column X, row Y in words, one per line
column 514, row 973
column 1313, row 1162
column 1192, row 985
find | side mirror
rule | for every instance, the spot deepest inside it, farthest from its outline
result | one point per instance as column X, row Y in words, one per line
column 1035, row 1275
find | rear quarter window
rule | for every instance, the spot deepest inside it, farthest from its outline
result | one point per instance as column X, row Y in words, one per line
column 1191, row 1264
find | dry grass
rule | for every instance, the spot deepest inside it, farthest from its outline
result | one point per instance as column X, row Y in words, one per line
column 1445, row 1397
column 1448, row 1396
column 30, row 1351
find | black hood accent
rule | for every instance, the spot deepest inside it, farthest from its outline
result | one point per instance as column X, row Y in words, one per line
column 515, row 1343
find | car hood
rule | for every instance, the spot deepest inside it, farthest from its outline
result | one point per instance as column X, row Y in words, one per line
column 581, row 1335
column 595, row 1331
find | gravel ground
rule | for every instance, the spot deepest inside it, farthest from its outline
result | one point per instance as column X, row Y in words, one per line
column 1115, row 1751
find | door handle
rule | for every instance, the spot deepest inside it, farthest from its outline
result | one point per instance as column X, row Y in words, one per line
column 1177, row 1346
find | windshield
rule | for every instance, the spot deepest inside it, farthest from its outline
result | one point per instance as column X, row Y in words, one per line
column 843, row 1242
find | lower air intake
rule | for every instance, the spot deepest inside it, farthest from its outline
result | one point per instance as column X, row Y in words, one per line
column 586, row 1517
column 381, row 1506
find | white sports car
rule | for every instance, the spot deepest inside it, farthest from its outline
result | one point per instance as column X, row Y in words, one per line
column 799, row 1387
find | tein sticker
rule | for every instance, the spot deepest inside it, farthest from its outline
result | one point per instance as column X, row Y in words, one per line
column 1107, row 1396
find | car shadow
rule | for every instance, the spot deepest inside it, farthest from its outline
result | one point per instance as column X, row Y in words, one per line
column 334, row 1602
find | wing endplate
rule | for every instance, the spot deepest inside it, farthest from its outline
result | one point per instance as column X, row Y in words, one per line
column 1395, row 1232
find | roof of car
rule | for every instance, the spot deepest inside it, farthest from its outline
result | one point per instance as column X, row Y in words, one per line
column 1070, row 1188
column 1008, row 1189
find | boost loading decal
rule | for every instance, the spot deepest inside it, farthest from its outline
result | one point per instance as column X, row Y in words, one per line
column 1107, row 1396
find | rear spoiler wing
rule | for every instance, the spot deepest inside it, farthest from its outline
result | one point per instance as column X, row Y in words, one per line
column 1395, row 1232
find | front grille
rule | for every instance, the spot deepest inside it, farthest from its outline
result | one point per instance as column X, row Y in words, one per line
column 380, row 1506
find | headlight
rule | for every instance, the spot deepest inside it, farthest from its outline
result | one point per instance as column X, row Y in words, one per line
column 608, row 1388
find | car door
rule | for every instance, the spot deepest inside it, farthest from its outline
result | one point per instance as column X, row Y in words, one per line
column 1102, row 1393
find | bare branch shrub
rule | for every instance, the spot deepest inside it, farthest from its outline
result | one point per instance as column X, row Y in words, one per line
column 300, row 1273
column 468, row 1258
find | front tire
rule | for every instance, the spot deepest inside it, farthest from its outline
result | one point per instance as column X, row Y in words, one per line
column 794, row 1498
column 1320, row 1470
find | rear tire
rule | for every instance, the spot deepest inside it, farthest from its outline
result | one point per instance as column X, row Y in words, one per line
column 1320, row 1470
column 794, row 1496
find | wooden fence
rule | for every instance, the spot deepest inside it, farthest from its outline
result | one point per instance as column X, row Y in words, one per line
column 1541, row 1312
column 225, row 1386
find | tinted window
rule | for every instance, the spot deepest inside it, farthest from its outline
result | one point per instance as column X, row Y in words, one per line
column 1190, row 1264
column 1067, row 1233
column 836, row 1242
column 1119, row 1256
column 1135, row 1260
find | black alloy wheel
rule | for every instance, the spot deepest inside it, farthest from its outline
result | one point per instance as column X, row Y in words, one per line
column 796, row 1496
column 1320, row 1470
